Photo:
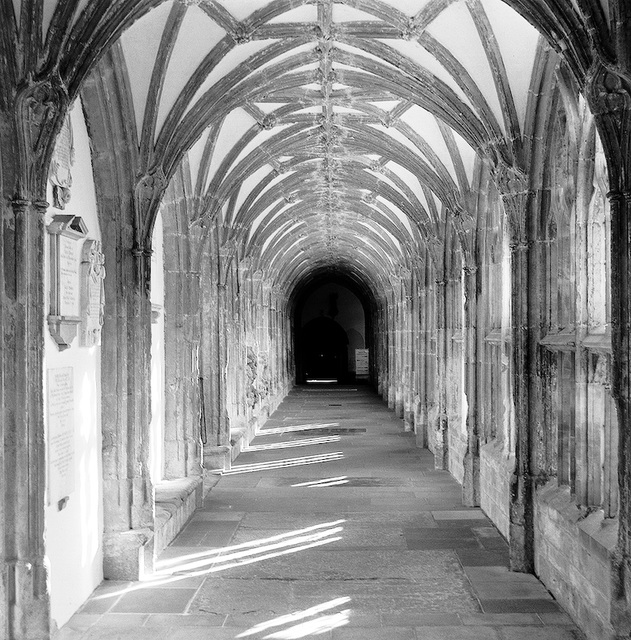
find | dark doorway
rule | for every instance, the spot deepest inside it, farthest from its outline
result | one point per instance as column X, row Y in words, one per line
column 324, row 347
column 331, row 321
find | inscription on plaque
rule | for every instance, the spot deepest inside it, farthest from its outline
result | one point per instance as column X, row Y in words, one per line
column 65, row 289
column 68, row 277
column 61, row 444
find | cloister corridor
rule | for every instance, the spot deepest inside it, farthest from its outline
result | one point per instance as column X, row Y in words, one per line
column 210, row 207
column 334, row 525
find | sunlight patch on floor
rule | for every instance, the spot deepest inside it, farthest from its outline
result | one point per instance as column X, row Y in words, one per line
column 281, row 464
column 325, row 482
column 215, row 560
column 275, row 431
column 301, row 615
column 293, row 443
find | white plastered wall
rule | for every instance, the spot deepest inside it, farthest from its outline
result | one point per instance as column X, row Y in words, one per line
column 74, row 533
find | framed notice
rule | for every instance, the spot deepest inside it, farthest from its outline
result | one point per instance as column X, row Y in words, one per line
column 361, row 363
column 61, row 435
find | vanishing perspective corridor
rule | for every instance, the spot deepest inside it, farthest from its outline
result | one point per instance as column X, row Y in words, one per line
column 315, row 319
column 333, row 524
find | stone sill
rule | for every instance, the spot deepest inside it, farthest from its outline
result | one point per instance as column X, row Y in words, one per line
column 597, row 533
column 561, row 341
column 176, row 501
column 495, row 337
column 238, row 441
column 568, row 341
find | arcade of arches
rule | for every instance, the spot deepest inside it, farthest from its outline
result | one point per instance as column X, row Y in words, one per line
column 195, row 191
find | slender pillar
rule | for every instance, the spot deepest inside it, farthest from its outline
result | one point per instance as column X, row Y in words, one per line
column 471, row 483
column 513, row 187
column 126, row 408
column 441, row 437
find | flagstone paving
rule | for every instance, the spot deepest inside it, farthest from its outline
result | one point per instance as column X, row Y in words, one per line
column 332, row 525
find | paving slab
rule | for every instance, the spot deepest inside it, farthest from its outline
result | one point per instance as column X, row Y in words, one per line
column 373, row 543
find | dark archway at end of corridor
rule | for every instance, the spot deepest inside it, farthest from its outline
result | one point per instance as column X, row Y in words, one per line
column 324, row 349
column 331, row 321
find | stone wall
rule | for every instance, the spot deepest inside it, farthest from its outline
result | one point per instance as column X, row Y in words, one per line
column 573, row 558
column 496, row 469
column 457, row 449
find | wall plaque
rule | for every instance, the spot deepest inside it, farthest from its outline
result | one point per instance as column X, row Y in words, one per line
column 92, row 293
column 61, row 165
column 61, row 437
column 65, row 285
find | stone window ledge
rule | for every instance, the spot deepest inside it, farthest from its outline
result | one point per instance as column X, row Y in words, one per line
column 175, row 502
column 238, row 441
column 597, row 533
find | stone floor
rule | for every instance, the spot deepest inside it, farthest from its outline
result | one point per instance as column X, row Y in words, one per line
column 331, row 525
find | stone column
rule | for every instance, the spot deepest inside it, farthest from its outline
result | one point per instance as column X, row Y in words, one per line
column 128, row 498
column 392, row 342
column 609, row 95
column 513, row 187
column 621, row 390
column 441, row 442
column 216, row 453
column 223, row 439
column 182, row 313
column 399, row 357
column 421, row 318
column 128, row 201
column 471, row 483
column 23, row 588
column 409, row 378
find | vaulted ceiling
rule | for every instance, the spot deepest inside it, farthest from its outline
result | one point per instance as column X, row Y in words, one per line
column 321, row 133
column 331, row 133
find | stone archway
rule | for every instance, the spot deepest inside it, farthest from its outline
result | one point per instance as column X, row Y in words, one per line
column 324, row 350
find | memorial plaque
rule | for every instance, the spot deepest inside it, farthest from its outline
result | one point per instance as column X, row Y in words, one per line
column 61, row 165
column 68, row 277
column 65, row 284
column 92, row 293
column 61, row 435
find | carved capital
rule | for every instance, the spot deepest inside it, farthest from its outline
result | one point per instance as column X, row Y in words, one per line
column 609, row 91
column 40, row 108
column 510, row 180
column 609, row 95
column 148, row 192
column 513, row 186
